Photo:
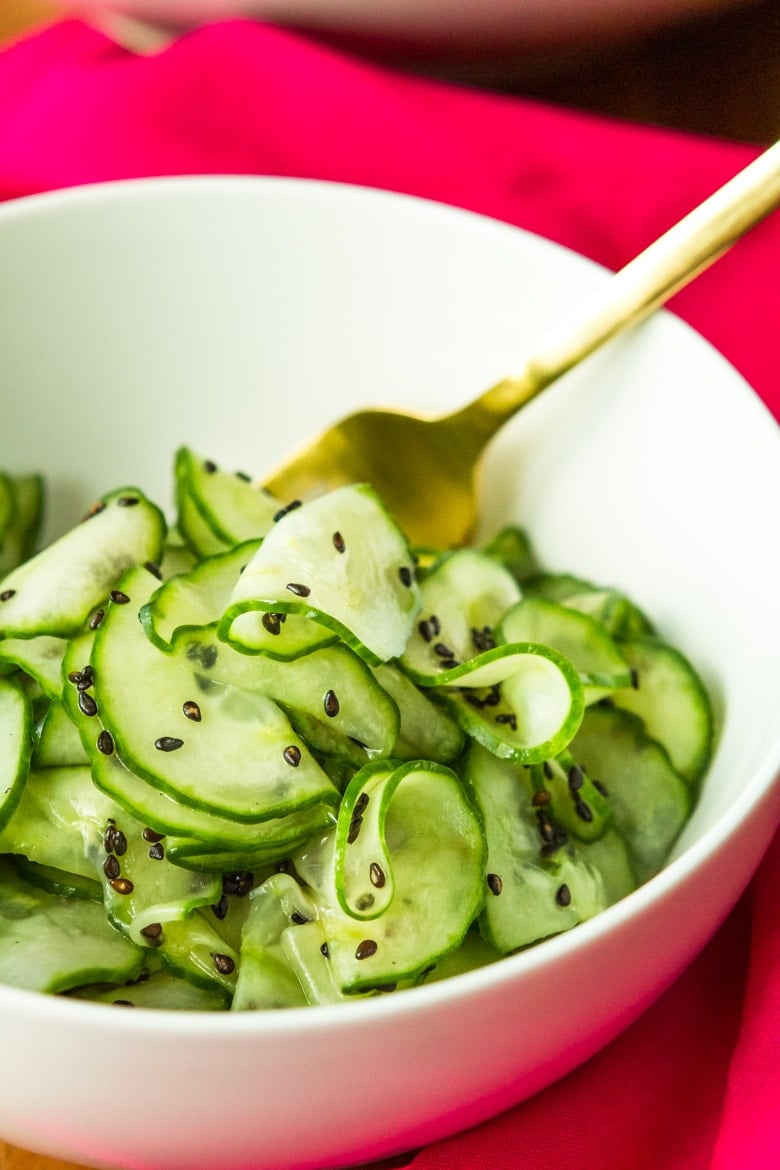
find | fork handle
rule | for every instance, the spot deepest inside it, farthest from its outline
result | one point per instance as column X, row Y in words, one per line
column 628, row 296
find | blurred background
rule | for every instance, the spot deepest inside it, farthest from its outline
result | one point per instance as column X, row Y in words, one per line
column 714, row 71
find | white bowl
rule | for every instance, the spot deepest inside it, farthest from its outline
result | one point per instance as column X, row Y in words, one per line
column 238, row 315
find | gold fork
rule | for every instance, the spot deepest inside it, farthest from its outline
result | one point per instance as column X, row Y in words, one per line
column 388, row 448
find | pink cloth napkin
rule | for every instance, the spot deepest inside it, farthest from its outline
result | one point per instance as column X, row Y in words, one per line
column 695, row 1084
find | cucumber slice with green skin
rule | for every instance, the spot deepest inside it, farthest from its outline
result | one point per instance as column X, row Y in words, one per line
column 195, row 834
column 193, row 950
column 619, row 616
column 189, row 602
column 650, row 802
column 65, row 823
column 427, row 731
column 51, row 943
column 266, row 978
column 512, row 547
column 58, row 819
column 670, row 698
column 218, row 509
column 341, row 562
column 539, row 883
column 158, row 991
column 574, row 802
column 57, row 881
column 464, row 596
column 57, row 741
column 272, row 843
column 40, row 657
column 56, row 591
column 522, row 700
column 16, row 736
column 575, row 635
column 431, row 856
column 215, row 748
column 332, row 684
column 19, row 534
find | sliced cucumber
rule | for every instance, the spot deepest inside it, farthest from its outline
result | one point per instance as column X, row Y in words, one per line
column 420, row 863
column 650, row 802
column 209, row 746
column 17, row 740
column 523, row 701
column 21, row 512
column 39, row 657
column 218, row 509
column 52, row 943
column 576, row 636
column 539, row 883
column 160, row 991
column 341, row 562
column 670, row 698
column 463, row 597
column 56, row 591
column 427, row 731
column 57, row 741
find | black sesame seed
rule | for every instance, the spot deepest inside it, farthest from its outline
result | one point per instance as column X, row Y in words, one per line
column 298, row 589
column 87, row 705
column 425, row 631
column 86, row 677
column 105, row 743
column 168, row 743
column 600, row 787
column 224, row 964
column 355, row 825
column 324, row 950
column 209, row 466
column 448, row 663
column 152, row 931
column 122, row 1003
column 405, row 576
column 118, row 843
column 127, row 501
column 575, row 778
column 635, row 678
column 288, row 508
column 298, row 918
column 119, row 597
column 507, row 717
column 365, row 901
column 191, row 710
column 238, row 884
column 494, row 697
column 435, row 624
column 443, row 650
column 338, row 542
column 331, row 704
column 583, row 810
column 540, row 797
column 156, row 851
column 221, row 907
column 365, row 949
column 151, row 835
column 495, row 885
column 111, row 868
column 547, row 769
column 563, row 895
column 245, row 476
column 97, row 618
column 122, row 885
column 7, row 594
column 271, row 623
column 376, row 875
column 292, row 755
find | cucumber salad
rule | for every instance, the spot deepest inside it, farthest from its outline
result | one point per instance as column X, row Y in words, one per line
column 269, row 755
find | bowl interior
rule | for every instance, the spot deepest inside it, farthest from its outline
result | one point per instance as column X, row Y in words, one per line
column 241, row 315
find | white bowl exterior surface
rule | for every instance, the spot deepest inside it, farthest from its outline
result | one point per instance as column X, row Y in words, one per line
column 237, row 315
